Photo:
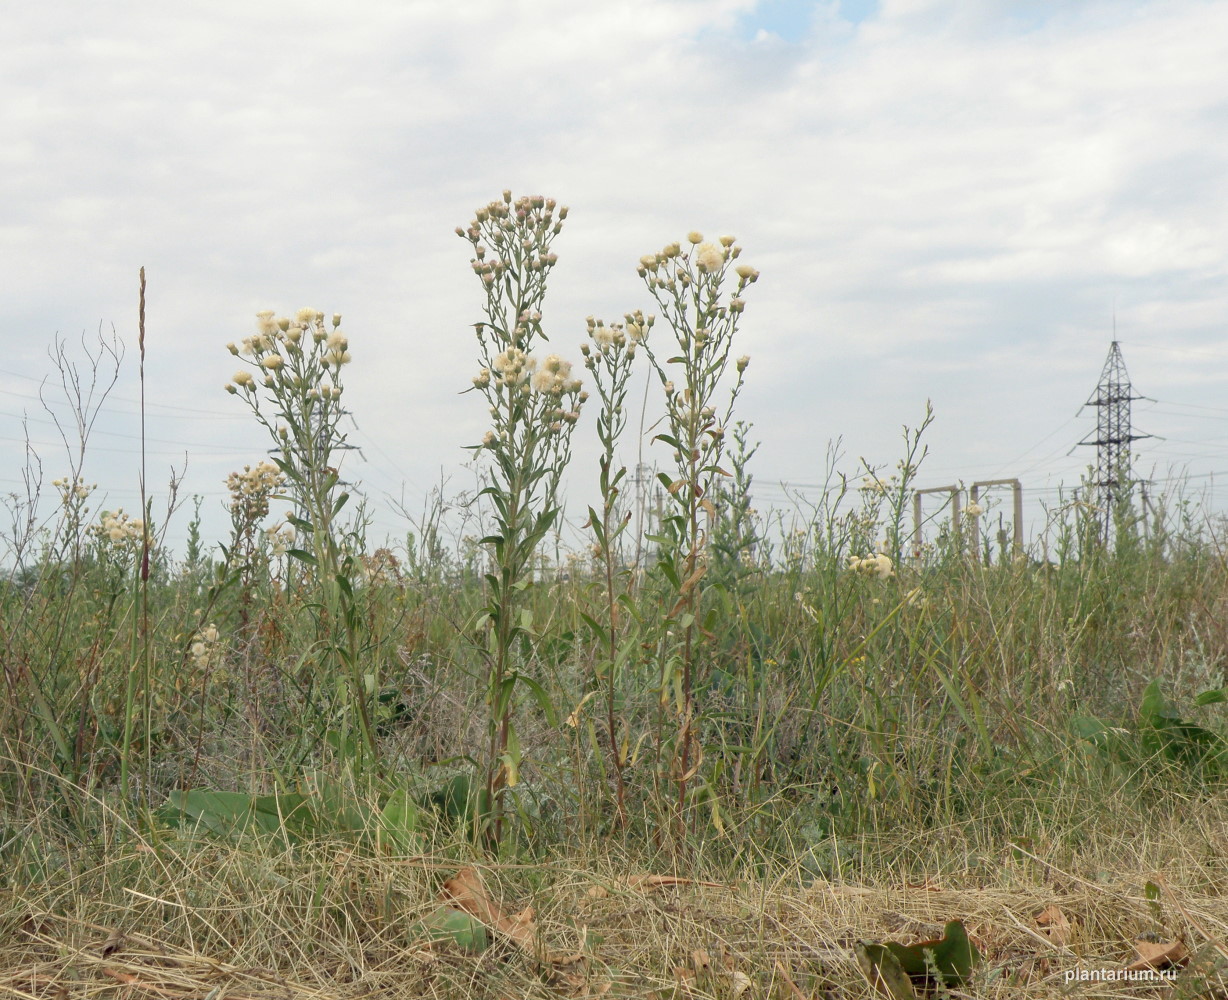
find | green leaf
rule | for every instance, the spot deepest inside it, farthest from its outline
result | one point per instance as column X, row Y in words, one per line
column 1212, row 697
column 398, row 822
column 337, row 810
column 883, row 971
column 1151, row 892
column 448, row 925
column 230, row 814
column 1086, row 727
column 345, row 745
column 599, row 631
column 339, row 503
column 302, row 556
column 1155, row 709
column 542, row 699
column 953, row 956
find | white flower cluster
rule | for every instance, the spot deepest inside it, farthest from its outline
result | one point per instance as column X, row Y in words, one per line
column 709, row 259
column 258, row 480
column 503, row 225
column 119, row 529
column 206, row 647
column 277, row 349
column 879, row 565
column 616, row 337
column 974, row 509
column 550, row 378
column 514, row 367
column 73, row 489
column 554, row 377
column 280, row 539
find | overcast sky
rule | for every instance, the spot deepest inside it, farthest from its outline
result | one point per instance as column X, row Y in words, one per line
column 947, row 200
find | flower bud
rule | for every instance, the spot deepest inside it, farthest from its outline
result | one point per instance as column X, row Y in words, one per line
column 695, row 237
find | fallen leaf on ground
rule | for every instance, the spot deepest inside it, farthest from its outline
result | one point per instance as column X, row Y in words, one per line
column 1158, row 955
column 893, row 968
column 465, row 891
column 447, row 924
column 1054, row 925
column 114, row 942
column 882, row 971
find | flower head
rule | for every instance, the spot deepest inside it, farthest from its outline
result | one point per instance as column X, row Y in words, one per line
column 879, row 565
column 554, row 377
column 514, row 366
column 709, row 258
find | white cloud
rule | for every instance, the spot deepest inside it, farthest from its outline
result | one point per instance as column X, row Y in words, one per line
column 945, row 200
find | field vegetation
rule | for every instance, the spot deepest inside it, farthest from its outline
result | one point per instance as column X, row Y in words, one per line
column 730, row 754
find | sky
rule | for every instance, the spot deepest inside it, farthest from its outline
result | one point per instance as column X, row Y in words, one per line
column 948, row 202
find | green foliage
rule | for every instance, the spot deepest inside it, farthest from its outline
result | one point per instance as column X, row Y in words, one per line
column 449, row 925
column 1162, row 735
column 896, row 968
column 326, row 809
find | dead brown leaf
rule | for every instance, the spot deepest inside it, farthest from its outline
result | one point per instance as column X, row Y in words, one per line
column 1158, row 955
column 466, row 892
column 114, row 942
column 1054, row 925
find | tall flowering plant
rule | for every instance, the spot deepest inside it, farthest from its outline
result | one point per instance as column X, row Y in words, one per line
column 699, row 290
column 533, row 402
column 610, row 358
column 292, row 384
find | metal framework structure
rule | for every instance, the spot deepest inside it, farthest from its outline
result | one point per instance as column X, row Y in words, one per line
column 1114, row 433
column 1017, row 509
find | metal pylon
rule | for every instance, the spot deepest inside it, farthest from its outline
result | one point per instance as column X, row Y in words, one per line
column 1114, row 480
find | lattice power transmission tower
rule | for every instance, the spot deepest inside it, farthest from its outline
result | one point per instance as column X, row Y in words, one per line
column 1114, row 480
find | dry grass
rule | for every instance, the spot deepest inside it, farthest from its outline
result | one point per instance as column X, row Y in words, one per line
column 191, row 917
